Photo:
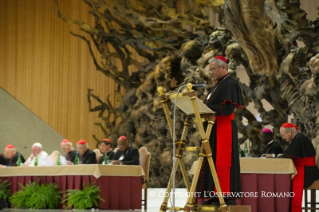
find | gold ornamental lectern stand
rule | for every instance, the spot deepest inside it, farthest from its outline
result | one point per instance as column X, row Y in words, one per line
column 196, row 111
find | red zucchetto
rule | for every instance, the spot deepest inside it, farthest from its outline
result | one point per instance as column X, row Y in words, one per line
column 107, row 140
column 123, row 137
column 82, row 142
column 65, row 141
column 9, row 146
column 289, row 125
column 221, row 58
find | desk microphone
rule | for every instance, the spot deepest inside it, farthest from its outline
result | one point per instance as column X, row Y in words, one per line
column 199, row 85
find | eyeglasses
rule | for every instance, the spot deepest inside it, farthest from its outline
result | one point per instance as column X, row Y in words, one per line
column 214, row 69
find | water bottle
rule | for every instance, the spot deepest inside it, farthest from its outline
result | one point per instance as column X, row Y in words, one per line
column 36, row 160
column 246, row 150
column 76, row 161
column 239, row 150
column 106, row 159
column 58, row 161
column 19, row 160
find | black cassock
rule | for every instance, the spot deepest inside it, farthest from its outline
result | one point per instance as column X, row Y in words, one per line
column 13, row 161
column 303, row 154
column 223, row 98
column 273, row 148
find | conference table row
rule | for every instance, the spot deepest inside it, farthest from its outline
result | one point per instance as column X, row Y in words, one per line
column 120, row 186
column 265, row 182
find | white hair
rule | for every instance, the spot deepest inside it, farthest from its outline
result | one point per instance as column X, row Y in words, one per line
column 37, row 145
column 13, row 149
column 218, row 62
column 87, row 145
column 292, row 129
column 69, row 143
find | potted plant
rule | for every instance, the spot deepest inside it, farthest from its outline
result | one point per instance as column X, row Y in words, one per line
column 4, row 190
column 83, row 199
column 37, row 196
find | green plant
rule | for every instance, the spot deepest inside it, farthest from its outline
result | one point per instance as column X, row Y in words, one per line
column 36, row 196
column 83, row 199
column 4, row 190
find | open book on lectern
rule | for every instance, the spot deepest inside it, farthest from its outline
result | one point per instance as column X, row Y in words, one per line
column 183, row 102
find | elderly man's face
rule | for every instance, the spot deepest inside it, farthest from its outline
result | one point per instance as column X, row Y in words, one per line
column 66, row 148
column 287, row 136
column 216, row 71
column 122, row 144
column 9, row 153
column 82, row 148
column 35, row 150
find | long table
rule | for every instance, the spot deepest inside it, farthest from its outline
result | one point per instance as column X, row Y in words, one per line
column 265, row 183
column 120, row 185
column 270, row 179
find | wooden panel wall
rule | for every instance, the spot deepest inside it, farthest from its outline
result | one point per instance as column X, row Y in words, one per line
column 49, row 71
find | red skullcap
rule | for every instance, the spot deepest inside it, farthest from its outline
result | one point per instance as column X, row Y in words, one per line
column 9, row 146
column 221, row 58
column 289, row 125
column 107, row 140
column 81, row 142
column 65, row 141
column 266, row 130
column 123, row 137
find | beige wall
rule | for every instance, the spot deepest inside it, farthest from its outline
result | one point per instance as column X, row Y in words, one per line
column 49, row 71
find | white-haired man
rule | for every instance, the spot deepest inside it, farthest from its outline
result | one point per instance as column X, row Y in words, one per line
column 70, row 153
column 87, row 156
column 303, row 154
column 36, row 151
column 11, row 155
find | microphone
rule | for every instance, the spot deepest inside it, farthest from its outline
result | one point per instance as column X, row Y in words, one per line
column 199, row 85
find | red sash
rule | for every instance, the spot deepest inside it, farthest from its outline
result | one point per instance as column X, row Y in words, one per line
column 224, row 150
column 298, row 181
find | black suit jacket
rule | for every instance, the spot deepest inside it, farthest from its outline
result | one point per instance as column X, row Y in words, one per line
column 2, row 160
column 131, row 156
column 89, row 157
column 273, row 148
column 71, row 156
column 13, row 161
column 110, row 155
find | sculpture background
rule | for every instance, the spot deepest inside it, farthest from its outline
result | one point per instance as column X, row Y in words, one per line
column 252, row 34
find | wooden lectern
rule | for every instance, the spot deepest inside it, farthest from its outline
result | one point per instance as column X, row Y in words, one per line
column 197, row 111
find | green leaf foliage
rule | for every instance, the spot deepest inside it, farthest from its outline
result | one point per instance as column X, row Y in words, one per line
column 4, row 189
column 83, row 199
column 37, row 196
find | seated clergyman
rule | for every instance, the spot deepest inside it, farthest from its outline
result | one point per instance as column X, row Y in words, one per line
column 87, row 156
column 303, row 155
column 273, row 148
column 11, row 156
column 127, row 154
column 37, row 155
column 105, row 147
column 70, row 153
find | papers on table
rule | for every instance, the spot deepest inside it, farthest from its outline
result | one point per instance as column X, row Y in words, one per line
column 46, row 161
